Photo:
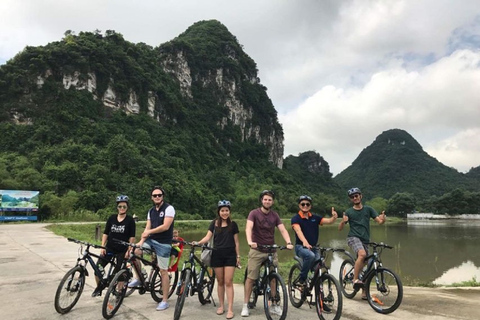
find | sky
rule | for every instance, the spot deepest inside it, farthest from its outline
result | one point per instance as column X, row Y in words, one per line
column 339, row 73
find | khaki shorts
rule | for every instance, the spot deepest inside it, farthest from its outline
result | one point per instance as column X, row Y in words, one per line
column 255, row 260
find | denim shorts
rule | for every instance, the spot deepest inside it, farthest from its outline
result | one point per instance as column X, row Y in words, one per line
column 162, row 251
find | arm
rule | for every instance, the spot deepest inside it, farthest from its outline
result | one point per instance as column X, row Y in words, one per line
column 301, row 236
column 237, row 248
column 167, row 222
column 285, row 235
column 381, row 218
column 248, row 234
column 145, row 233
column 331, row 219
column 103, row 252
column 206, row 238
column 343, row 222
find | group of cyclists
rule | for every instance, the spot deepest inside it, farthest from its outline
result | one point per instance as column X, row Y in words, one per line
column 260, row 229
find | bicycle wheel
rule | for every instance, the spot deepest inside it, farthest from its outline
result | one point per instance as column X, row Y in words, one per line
column 346, row 279
column 384, row 290
column 156, row 284
column 205, row 285
column 182, row 291
column 275, row 298
column 115, row 294
column 328, row 297
column 69, row 289
column 297, row 298
column 252, row 301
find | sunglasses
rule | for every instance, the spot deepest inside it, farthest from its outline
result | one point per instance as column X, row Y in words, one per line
column 122, row 207
column 157, row 195
column 355, row 196
column 305, row 204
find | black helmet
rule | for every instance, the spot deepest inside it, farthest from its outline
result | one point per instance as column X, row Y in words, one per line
column 267, row 192
column 304, row 197
column 224, row 203
column 122, row 198
column 353, row 191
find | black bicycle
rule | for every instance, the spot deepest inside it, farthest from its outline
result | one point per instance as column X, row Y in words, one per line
column 328, row 294
column 190, row 282
column 71, row 286
column 270, row 284
column 383, row 288
column 151, row 282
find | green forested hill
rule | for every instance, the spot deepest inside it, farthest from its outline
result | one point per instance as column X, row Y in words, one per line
column 395, row 162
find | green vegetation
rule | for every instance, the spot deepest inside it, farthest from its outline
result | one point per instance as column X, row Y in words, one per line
column 470, row 283
column 80, row 154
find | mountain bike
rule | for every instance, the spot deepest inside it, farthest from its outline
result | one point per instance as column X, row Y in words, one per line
column 190, row 282
column 71, row 286
column 151, row 282
column 383, row 288
column 328, row 294
column 270, row 284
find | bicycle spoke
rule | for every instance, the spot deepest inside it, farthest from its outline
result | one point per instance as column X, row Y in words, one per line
column 384, row 291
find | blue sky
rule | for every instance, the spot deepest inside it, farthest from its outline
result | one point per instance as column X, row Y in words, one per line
column 339, row 73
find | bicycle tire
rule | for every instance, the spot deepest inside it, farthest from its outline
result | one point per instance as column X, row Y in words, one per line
column 328, row 297
column 252, row 301
column 129, row 290
column 156, row 284
column 206, row 282
column 387, row 296
column 69, row 289
column 296, row 296
column 346, row 279
column 279, row 301
column 115, row 294
column 183, row 289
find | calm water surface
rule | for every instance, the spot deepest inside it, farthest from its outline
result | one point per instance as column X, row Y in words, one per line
column 442, row 252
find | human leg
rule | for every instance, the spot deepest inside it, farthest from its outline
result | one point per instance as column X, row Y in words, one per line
column 308, row 258
column 219, row 274
column 228, row 276
column 358, row 247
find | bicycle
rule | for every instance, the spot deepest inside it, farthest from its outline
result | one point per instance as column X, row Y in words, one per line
column 71, row 286
column 190, row 282
column 270, row 284
column 328, row 294
column 383, row 287
column 151, row 282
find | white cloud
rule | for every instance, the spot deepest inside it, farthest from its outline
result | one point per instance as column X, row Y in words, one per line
column 438, row 105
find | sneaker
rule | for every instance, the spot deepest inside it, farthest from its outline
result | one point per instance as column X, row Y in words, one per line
column 97, row 292
column 245, row 311
column 276, row 310
column 134, row 283
column 162, row 306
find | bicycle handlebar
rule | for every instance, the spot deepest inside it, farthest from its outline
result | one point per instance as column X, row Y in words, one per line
column 133, row 245
column 88, row 244
column 194, row 244
column 271, row 246
column 381, row 244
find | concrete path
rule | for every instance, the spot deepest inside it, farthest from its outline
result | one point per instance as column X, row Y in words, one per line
column 33, row 260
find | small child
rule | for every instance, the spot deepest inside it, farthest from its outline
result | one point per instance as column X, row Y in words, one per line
column 175, row 249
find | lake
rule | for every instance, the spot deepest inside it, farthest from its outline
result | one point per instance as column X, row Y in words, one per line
column 425, row 251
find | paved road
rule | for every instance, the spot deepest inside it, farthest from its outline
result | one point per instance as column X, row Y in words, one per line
column 33, row 260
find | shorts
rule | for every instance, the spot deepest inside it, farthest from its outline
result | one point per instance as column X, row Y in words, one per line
column 162, row 251
column 224, row 258
column 356, row 244
column 255, row 260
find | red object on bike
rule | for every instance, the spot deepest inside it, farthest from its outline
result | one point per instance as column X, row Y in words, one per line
column 175, row 266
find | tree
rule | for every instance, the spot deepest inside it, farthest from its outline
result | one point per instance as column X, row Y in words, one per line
column 401, row 204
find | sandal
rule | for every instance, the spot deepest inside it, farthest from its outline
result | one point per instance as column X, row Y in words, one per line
column 230, row 315
column 220, row 311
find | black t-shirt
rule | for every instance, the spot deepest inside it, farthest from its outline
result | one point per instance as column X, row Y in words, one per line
column 223, row 237
column 123, row 230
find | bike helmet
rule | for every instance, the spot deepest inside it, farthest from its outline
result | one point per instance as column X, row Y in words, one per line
column 304, row 197
column 353, row 191
column 224, row 203
column 122, row 198
column 268, row 192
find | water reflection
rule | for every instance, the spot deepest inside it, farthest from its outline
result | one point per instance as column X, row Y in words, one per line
column 464, row 272
column 423, row 250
